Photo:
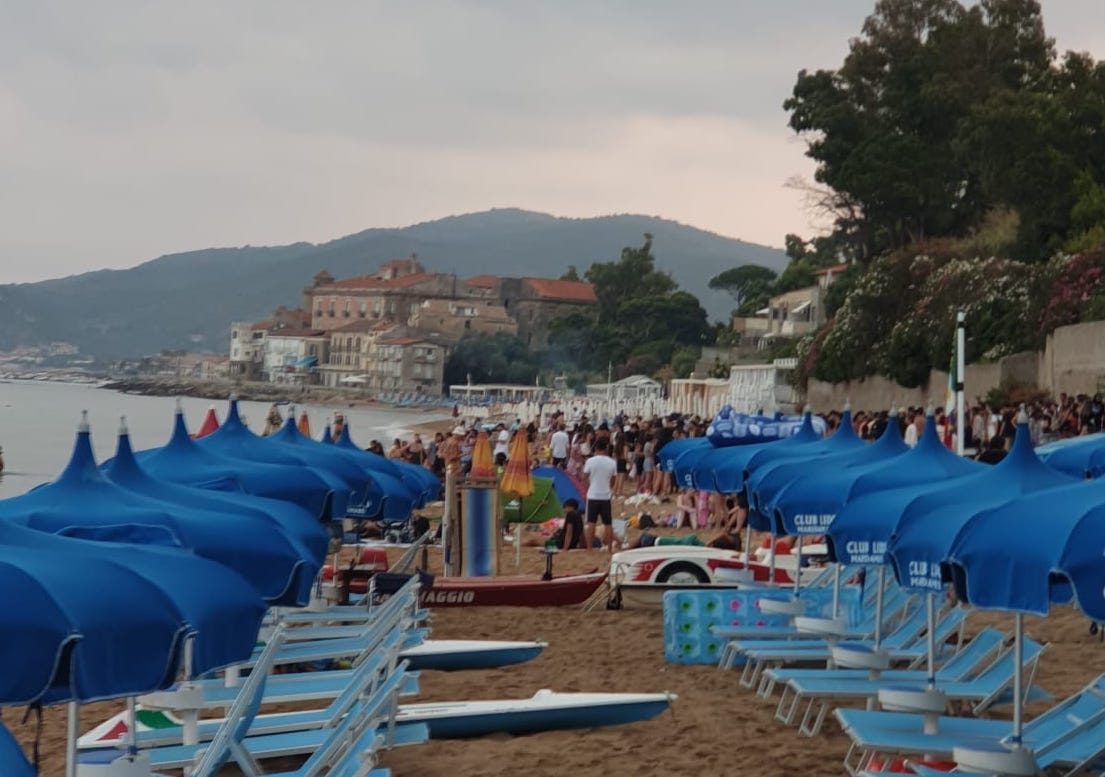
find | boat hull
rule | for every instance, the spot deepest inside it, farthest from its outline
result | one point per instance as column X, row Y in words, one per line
column 545, row 711
column 458, row 654
column 511, row 591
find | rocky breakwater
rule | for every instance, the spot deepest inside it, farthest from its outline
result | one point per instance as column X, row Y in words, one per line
column 248, row 391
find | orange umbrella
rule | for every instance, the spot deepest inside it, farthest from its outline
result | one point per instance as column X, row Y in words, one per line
column 517, row 479
column 304, row 424
column 483, row 466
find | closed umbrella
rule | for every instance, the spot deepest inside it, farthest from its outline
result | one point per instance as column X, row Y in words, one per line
column 517, row 479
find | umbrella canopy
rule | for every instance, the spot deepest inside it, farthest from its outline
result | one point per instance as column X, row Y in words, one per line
column 308, row 535
column 685, row 466
column 809, row 501
column 728, row 466
column 210, row 423
column 567, row 487
column 84, row 503
column 483, row 466
column 861, row 530
column 770, row 470
column 670, row 453
column 365, row 492
column 541, row 505
column 13, row 762
column 235, row 441
column 929, row 524
column 731, row 428
column 185, row 462
column 90, row 620
column 517, row 480
column 1082, row 456
column 422, row 483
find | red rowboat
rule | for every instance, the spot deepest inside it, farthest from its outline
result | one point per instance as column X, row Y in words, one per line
column 511, row 591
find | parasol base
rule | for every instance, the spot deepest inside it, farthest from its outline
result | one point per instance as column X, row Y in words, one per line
column 825, row 627
column 997, row 759
column 930, row 702
column 856, row 655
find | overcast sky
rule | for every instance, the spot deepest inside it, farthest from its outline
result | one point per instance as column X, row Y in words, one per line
column 133, row 128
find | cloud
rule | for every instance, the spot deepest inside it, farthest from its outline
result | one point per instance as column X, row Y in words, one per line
column 136, row 128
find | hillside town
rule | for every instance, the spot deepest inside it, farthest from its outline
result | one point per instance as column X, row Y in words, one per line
column 389, row 333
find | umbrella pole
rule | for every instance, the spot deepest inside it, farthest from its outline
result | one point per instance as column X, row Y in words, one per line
column 836, row 591
column 930, row 637
column 132, row 727
column 190, row 733
column 447, row 520
column 1018, row 679
column 798, row 566
column 878, row 606
column 71, row 740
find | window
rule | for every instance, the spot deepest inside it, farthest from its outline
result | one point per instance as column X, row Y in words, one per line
column 364, row 309
column 348, row 309
column 333, row 307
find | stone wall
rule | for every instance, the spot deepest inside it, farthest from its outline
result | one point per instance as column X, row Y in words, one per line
column 1073, row 361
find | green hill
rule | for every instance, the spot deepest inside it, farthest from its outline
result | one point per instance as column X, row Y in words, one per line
column 187, row 300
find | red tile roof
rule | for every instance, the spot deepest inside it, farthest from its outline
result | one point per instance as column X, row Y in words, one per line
column 365, row 325
column 372, row 282
column 400, row 340
column 569, row 291
column 483, row 282
column 834, row 268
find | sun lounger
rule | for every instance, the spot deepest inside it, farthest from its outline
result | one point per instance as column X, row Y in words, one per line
column 981, row 692
column 959, row 666
column 1070, row 735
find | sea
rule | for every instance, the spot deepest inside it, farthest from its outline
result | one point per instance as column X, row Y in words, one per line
column 39, row 420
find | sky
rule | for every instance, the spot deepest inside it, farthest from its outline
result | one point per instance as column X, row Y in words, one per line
column 135, row 128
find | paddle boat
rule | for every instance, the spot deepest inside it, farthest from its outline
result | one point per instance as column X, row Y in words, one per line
column 639, row 577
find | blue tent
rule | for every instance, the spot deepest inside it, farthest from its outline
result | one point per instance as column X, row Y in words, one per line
column 862, row 527
column 88, row 620
column 183, row 461
column 565, row 486
column 83, row 503
column 802, row 501
column 235, row 441
column 928, row 525
column 309, row 536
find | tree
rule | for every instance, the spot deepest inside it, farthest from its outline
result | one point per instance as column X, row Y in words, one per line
column 491, row 358
column 572, row 274
column 631, row 277
column 747, row 283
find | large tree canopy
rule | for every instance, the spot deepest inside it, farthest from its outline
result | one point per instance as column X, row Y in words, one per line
column 942, row 113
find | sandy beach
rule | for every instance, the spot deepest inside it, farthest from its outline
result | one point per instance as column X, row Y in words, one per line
column 715, row 727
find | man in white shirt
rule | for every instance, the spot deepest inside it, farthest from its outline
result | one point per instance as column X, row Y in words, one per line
column 558, row 446
column 502, row 446
column 600, row 470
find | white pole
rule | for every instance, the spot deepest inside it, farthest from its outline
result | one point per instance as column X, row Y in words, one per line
column 71, row 740
column 960, row 368
column 798, row 565
column 1018, row 679
column 930, row 637
column 878, row 605
column 448, row 520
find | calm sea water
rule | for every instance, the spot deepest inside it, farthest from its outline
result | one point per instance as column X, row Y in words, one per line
column 38, row 424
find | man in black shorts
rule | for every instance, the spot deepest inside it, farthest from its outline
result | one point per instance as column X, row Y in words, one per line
column 600, row 470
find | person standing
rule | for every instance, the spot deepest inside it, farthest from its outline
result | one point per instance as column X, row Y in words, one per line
column 600, row 470
column 559, row 443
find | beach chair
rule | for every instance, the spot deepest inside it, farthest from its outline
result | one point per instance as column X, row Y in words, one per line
column 905, row 645
column 742, row 639
column 346, row 748
column 980, row 692
column 358, row 685
column 1068, row 737
column 226, row 744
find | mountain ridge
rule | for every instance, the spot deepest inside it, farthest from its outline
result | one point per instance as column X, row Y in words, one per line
column 187, row 299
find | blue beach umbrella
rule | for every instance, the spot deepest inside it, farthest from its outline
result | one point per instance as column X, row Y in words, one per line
column 419, row 480
column 769, row 470
column 1025, row 555
column 183, row 461
column 670, row 453
column 84, row 503
column 805, row 500
column 929, row 524
column 366, row 494
column 728, row 466
column 100, row 620
column 1082, row 456
column 308, row 536
column 13, row 761
column 687, row 464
